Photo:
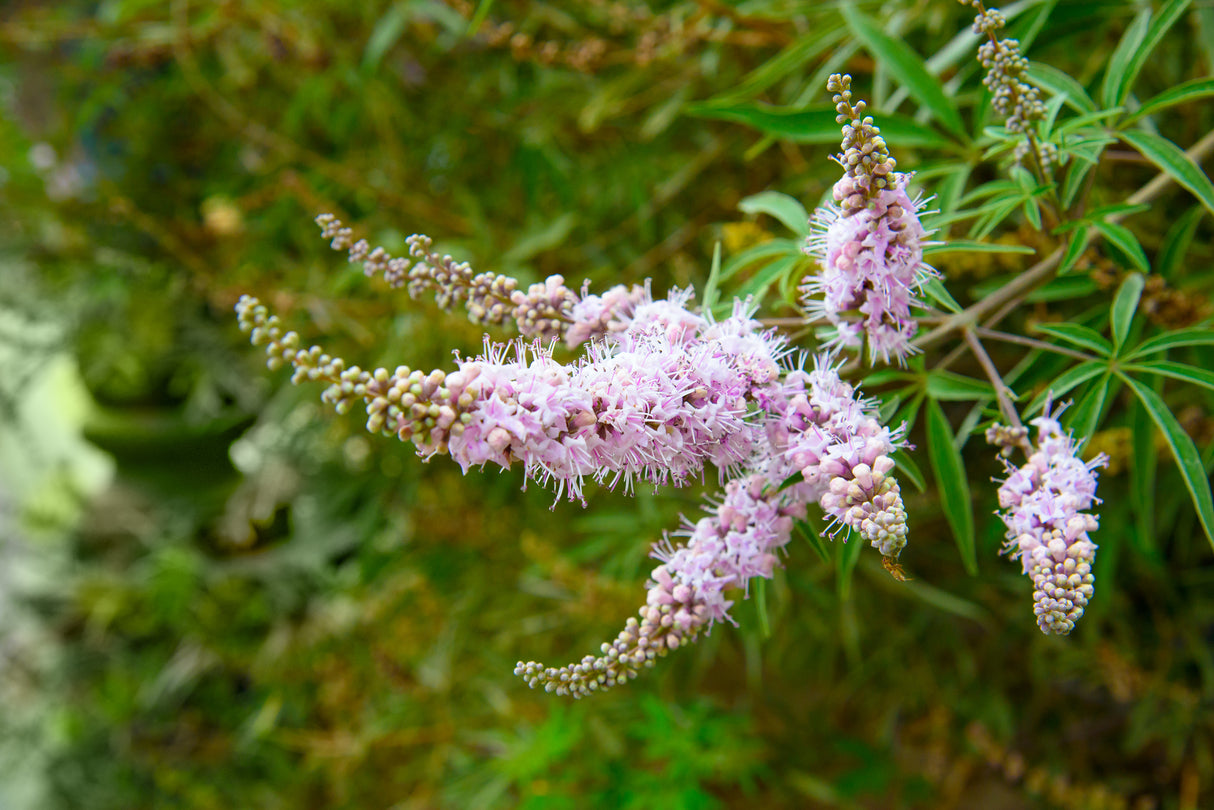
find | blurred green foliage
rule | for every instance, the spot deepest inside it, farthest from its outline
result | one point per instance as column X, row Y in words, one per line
column 213, row 594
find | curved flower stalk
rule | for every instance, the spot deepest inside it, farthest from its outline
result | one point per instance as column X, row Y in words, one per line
column 546, row 310
column 655, row 402
column 841, row 449
column 816, row 426
column 658, row 393
column 1044, row 507
column 868, row 241
column 739, row 539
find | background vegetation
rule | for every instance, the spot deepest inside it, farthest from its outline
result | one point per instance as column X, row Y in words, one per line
column 215, row 594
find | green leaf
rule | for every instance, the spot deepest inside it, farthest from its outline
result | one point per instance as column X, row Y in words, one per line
column 938, row 294
column 1176, row 242
column 759, row 283
column 1064, row 383
column 907, row 67
column 1168, row 16
column 949, row 469
column 1174, row 162
column 781, row 206
column 1063, row 289
column 1119, row 62
column 478, row 16
column 1124, row 240
column 1142, row 475
column 384, row 35
column 1076, row 174
column 761, row 605
column 714, row 279
column 848, row 552
column 813, row 124
column 814, row 540
column 1177, row 371
column 1183, row 450
column 1078, row 335
column 801, row 50
column 1074, row 250
column 1086, row 416
column 907, row 466
column 964, row 246
column 764, row 250
column 945, row 385
column 1058, row 83
column 1191, row 90
column 537, row 241
column 1193, row 336
column 1124, row 306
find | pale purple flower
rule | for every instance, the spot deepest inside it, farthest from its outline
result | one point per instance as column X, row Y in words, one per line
column 1045, row 505
column 843, row 452
column 655, row 401
column 871, row 261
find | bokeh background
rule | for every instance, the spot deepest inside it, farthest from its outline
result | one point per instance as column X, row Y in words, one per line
column 215, row 594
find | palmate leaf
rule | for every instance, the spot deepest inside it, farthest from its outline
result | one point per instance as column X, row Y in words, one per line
column 1183, row 450
column 949, row 469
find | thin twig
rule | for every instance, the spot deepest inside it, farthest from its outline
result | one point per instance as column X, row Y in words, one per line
column 1001, row 390
column 1008, row 297
column 1007, row 337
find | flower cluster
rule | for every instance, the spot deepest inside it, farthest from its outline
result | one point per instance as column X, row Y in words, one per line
column 547, row 309
column 655, row 402
column 824, row 444
column 1044, row 507
column 868, row 242
column 1017, row 101
column 658, row 395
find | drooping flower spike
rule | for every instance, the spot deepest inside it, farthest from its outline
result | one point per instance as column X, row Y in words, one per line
column 868, row 243
column 1044, row 506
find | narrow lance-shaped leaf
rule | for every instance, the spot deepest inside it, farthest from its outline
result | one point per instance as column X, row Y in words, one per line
column 1174, row 162
column 781, row 206
column 1177, row 371
column 1119, row 62
column 1191, row 90
column 1142, row 476
column 906, row 66
column 714, row 279
column 1168, row 16
column 1123, row 308
column 1183, row 450
column 1065, row 382
column 949, row 469
column 1086, row 416
column 1078, row 335
column 1193, row 336
column 1124, row 240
